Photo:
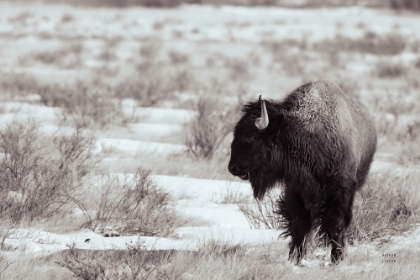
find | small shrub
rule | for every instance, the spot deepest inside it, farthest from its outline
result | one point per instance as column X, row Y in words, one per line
column 133, row 263
column 67, row 57
column 210, row 127
column 66, row 18
column 409, row 150
column 147, row 91
column 261, row 214
column 178, row 57
column 290, row 54
column 95, row 106
column 134, row 206
column 150, row 48
column 18, row 85
column 417, row 63
column 405, row 4
column 35, row 180
column 22, row 17
column 390, row 70
column 181, row 80
column 370, row 43
column 239, row 69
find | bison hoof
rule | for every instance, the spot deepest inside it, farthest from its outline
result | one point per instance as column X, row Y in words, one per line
column 306, row 263
column 326, row 264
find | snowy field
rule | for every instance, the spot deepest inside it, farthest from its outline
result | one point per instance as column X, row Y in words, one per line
column 116, row 130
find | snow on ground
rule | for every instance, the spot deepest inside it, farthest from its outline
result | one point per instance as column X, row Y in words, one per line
column 149, row 131
column 40, row 243
column 141, row 147
column 164, row 115
column 199, row 189
column 22, row 111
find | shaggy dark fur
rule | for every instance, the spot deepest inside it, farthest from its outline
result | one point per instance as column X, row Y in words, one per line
column 319, row 144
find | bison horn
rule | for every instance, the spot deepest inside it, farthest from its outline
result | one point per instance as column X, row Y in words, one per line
column 262, row 123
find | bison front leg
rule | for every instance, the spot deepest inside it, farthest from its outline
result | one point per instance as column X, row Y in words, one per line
column 310, row 242
column 297, row 223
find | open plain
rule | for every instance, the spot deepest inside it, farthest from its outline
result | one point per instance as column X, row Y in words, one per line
column 115, row 132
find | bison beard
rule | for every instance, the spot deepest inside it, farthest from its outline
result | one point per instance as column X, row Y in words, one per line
column 319, row 144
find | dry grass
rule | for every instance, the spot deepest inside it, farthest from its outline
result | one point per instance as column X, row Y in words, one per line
column 66, row 57
column 370, row 43
column 380, row 210
column 220, row 260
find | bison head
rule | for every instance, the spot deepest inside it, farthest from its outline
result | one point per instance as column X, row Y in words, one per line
column 254, row 152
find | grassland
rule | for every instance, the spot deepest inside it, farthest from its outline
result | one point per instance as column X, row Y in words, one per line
column 104, row 110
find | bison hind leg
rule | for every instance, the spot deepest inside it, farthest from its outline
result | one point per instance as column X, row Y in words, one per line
column 335, row 221
column 297, row 224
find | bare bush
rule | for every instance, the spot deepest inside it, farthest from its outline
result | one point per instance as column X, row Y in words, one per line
column 13, row 85
column 405, row 4
column 150, row 48
column 390, row 70
column 239, row 69
column 67, row 57
column 134, row 206
column 262, row 214
column 177, row 57
column 182, row 80
column 133, row 263
column 85, row 102
column 207, row 131
column 409, row 151
column 37, row 181
column 147, row 91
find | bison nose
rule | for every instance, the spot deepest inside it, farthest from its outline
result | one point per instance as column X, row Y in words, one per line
column 233, row 169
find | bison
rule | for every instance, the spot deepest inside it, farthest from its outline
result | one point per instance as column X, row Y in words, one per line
column 319, row 144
